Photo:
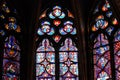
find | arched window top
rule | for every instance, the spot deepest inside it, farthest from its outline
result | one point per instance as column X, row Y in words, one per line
column 56, row 12
column 45, row 46
column 68, row 46
column 56, row 20
column 101, row 40
column 103, row 19
column 104, row 37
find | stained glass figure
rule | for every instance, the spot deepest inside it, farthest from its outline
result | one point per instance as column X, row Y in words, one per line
column 68, row 61
column 45, row 61
column 102, row 66
column 11, row 68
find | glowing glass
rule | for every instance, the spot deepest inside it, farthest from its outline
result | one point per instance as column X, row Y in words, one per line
column 109, row 14
column 101, row 58
column 103, row 29
column 117, row 54
column 11, row 68
column 56, row 19
column 68, row 60
column 57, row 11
column 45, row 61
column 109, row 30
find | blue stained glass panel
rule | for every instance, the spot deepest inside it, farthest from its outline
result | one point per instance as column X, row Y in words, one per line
column 50, row 56
column 45, row 23
column 51, row 16
column 45, row 28
column 63, row 69
column 73, row 56
column 63, row 56
column 102, row 62
column 52, row 31
column 62, row 15
column 117, row 36
column 39, row 69
column 40, row 57
column 74, row 31
column 101, row 50
column 101, row 58
column 74, row 69
column 45, row 61
column 39, row 32
column 62, row 32
column 68, row 60
column 12, row 26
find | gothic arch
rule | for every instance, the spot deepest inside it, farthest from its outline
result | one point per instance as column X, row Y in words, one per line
column 79, row 26
column 103, row 19
column 10, row 36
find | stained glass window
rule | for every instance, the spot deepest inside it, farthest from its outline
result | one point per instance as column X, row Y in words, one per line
column 102, row 66
column 9, row 29
column 11, row 59
column 57, row 49
column 104, row 40
column 45, row 61
column 68, row 61
column 117, row 54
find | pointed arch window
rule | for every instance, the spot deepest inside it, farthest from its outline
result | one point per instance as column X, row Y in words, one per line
column 9, row 33
column 104, row 39
column 57, row 53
